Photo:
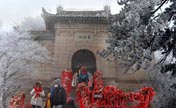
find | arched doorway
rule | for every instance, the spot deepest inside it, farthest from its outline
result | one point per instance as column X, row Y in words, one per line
column 86, row 58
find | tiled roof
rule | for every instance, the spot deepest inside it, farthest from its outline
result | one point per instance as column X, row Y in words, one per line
column 97, row 17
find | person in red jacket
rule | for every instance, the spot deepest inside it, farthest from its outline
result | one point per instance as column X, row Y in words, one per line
column 37, row 94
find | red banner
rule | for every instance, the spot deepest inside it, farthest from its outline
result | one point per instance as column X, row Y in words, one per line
column 66, row 80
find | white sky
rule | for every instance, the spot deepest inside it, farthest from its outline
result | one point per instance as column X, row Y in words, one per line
column 12, row 12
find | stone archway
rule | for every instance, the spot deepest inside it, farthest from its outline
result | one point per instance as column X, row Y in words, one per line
column 84, row 57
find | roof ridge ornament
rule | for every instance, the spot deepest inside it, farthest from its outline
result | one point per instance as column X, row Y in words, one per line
column 59, row 9
column 107, row 10
column 44, row 11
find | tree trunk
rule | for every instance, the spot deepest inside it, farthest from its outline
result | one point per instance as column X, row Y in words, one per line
column 4, row 94
column 4, row 104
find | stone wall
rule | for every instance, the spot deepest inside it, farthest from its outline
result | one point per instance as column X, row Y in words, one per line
column 67, row 42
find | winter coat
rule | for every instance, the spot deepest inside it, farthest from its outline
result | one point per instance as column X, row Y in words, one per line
column 48, row 102
column 37, row 97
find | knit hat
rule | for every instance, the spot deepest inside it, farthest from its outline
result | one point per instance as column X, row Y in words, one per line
column 38, row 82
column 57, row 82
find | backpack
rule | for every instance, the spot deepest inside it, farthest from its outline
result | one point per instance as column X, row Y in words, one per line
column 59, row 96
column 83, row 77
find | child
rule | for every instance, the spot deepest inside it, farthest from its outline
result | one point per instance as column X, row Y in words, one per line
column 48, row 102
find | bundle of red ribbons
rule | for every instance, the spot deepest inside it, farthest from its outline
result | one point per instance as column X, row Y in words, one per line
column 112, row 97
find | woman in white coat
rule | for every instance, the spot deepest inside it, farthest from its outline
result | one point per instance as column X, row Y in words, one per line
column 37, row 94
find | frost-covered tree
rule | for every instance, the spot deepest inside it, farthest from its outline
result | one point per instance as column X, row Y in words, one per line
column 166, row 40
column 164, row 86
column 137, row 32
column 0, row 24
column 18, row 54
column 132, row 33
column 31, row 23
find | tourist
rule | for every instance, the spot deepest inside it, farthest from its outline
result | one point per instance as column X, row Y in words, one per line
column 48, row 102
column 83, row 75
column 37, row 94
column 57, row 95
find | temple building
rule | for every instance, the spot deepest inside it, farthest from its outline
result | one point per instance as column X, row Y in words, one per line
column 75, row 37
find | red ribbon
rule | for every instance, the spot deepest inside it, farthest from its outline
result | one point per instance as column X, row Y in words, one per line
column 111, row 97
column 37, row 90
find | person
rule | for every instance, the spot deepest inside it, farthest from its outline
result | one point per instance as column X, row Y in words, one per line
column 83, row 75
column 37, row 94
column 57, row 95
column 48, row 102
column 70, row 103
column 78, row 67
